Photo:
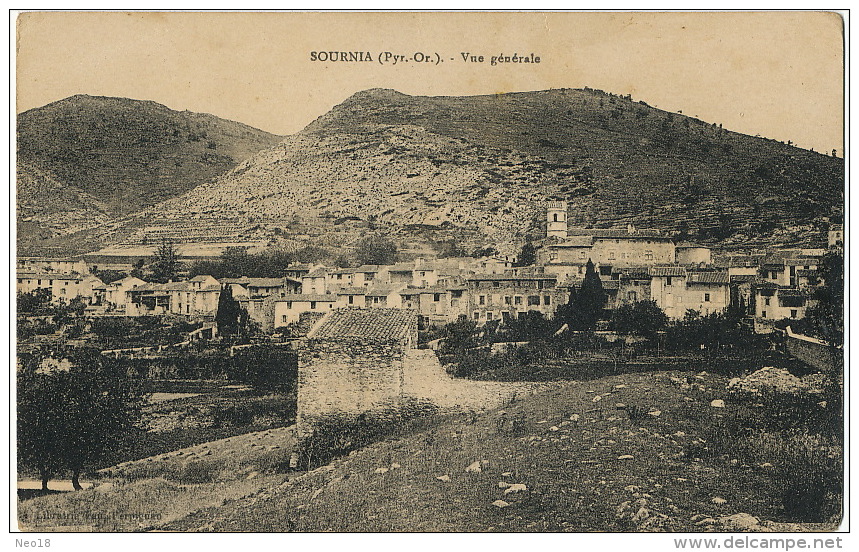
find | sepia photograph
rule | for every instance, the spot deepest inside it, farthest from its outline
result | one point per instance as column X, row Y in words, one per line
column 430, row 272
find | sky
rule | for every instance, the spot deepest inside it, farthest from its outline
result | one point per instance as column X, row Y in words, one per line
column 776, row 74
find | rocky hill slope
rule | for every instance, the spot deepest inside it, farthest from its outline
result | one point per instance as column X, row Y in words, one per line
column 85, row 158
column 487, row 163
column 479, row 169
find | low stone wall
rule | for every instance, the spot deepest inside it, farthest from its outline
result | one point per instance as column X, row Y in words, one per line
column 813, row 352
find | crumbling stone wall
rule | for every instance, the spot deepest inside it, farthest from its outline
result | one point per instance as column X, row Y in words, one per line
column 347, row 376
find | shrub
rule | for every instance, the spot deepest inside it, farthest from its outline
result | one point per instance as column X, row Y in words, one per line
column 335, row 435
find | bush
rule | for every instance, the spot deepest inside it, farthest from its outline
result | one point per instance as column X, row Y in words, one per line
column 335, row 435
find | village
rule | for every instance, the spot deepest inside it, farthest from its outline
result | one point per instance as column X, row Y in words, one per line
column 633, row 265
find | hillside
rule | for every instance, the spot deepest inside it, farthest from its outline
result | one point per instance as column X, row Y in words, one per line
column 478, row 170
column 114, row 156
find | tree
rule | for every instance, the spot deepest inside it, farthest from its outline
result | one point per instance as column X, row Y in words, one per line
column 588, row 301
column 827, row 316
column 72, row 411
column 643, row 318
column 33, row 301
column 229, row 314
column 166, row 264
column 527, row 256
column 376, row 249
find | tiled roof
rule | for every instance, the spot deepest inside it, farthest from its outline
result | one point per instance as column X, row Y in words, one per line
column 200, row 278
column 785, row 293
column 307, row 297
column 575, row 241
column 48, row 275
column 744, row 278
column 668, row 271
column 352, row 291
column 523, row 277
column 318, row 273
column 367, row 268
column 806, row 273
column 370, row 324
column 708, row 278
column 617, row 233
column 689, row 245
column 383, row 291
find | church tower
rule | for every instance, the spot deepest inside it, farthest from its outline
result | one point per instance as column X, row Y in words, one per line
column 556, row 219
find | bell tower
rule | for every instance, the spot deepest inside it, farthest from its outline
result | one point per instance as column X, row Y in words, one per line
column 556, row 219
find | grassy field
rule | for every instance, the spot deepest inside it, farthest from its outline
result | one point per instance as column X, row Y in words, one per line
column 578, row 463
column 630, row 452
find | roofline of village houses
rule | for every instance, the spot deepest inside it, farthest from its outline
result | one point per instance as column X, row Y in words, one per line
column 635, row 264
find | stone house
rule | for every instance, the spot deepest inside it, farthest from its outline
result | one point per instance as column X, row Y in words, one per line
column 774, row 302
column 63, row 286
column 352, row 360
column 288, row 309
column 62, row 265
column 117, row 294
column 503, row 296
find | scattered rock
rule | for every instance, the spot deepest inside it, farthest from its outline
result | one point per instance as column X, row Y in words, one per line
column 620, row 406
column 395, row 466
column 718, row 500
column 631, row 488
column 252, row 475
column 507, row 474
column 596, row 399
column 765, row 465
column 474, row 467
column 515, row 488
column 655, row 413
column 554, row 428
column 625, row 457
column 500, row 504
column 444, row 478
column 620, row 386
column 503, row 484
column 717, row 403
column 740, row 522
column 380, row 470
column 706, row 521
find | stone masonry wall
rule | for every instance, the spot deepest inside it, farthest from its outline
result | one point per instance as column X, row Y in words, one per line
column 347, row 376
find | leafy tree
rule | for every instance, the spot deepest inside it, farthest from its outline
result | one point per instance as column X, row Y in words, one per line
column 33, row 301
column 643, row 318
column 484, row 252
column 108, row 276
column 527, row 256
column 459, row 335
column 166, row 264
column 229, row 314
column 376, row 249
column 72, row 411
column 827, row 316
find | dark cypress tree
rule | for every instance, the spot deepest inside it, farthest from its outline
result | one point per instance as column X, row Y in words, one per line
column 229, row 312
column 586, row 306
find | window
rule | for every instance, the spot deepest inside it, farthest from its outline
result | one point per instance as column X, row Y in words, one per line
column 436, row 297
column 553, row 256
column 476, row 315
column 351, row 299
column 648, row 255
column 489, row 316
column 533, row 300
column 706, row 297
column 496, row 284
column 764, row 314
column 547, row 300
column 313, row 304
column 63, row 291
column 668, row 281
column 517, row 300
column 508, row 300
column 289, row 305
column 283, row 319
column 793, row 313
column 611, row 255
column 555, row 217
column 632, row 296
column 581, row 254
column 679, row 299
column 481, row 300
column 767, row 301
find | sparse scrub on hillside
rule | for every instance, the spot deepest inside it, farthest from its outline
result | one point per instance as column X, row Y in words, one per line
column 335, row 435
